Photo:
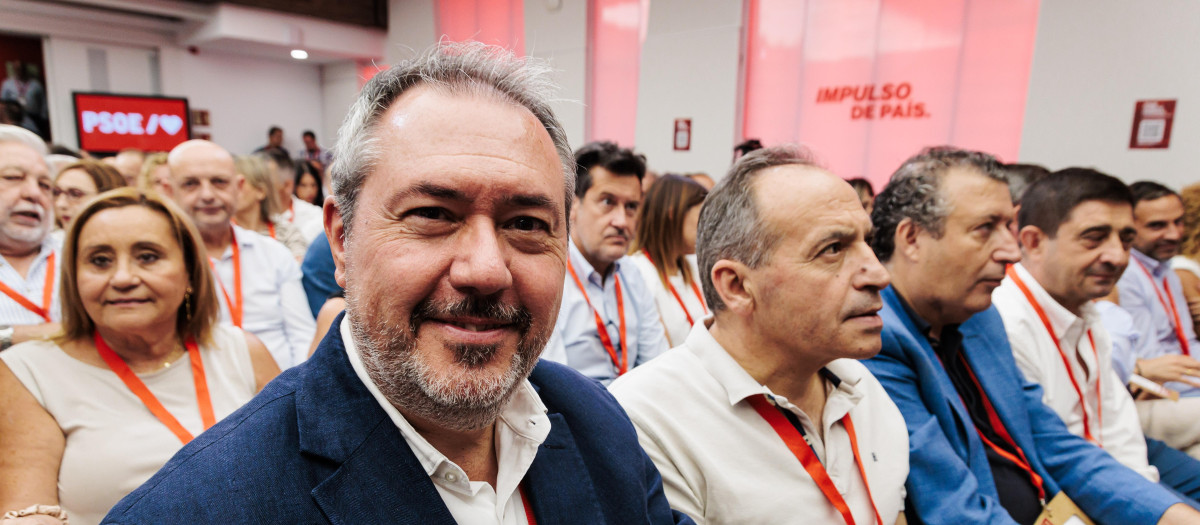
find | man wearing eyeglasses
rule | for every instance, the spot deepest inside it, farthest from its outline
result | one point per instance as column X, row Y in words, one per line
column 29, row 259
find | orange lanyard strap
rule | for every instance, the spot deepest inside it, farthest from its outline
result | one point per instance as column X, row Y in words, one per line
column 679, row 299
column 1168, row 305
column 292, row 209
column 800, row 448
column 1020, row 460
column 1083, row 404
column 135, row 384
column 620, row 362
column 235, row 309
column 271, row 229
column 528, row 507
column 47, row 292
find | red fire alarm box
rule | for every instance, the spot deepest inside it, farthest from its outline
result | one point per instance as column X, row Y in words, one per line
column 1152, row 124
column 683, row 134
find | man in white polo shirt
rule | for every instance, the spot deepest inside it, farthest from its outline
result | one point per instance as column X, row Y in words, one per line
column 257, row 277
column 29, row 305
column 1076, row 227
column 763, row 415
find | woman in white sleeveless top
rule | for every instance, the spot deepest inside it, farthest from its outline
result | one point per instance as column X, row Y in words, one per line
column 140, row 368
column 666, row 236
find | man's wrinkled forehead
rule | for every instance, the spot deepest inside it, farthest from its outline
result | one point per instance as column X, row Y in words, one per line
column 18, row 156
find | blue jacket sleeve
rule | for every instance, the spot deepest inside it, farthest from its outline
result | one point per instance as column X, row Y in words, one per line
column 1106, row 490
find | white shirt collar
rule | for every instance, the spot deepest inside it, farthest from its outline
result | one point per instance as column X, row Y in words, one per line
column 524, row 415
column 1060, row 318
column 584, row 269
column 739, row 385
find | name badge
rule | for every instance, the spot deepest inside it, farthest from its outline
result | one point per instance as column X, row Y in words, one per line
column 1062, row 511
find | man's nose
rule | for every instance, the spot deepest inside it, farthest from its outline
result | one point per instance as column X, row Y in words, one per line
column 1008, row 251
column 480, row 264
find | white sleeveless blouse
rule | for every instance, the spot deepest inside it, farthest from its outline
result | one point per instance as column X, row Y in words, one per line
column 113, row 442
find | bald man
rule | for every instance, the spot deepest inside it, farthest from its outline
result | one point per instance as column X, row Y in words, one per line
column 259, row 280
column 764, row 414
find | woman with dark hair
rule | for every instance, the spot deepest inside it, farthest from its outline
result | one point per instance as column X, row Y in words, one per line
column 308, row 184
column 141, row 365
column 666, row 236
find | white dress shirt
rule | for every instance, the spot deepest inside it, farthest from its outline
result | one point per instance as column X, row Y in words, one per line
column 520, row 430
column 308, row 218
column 274, row 307
column 31, row 287
column 673, row 316
column 575, row 341
column 721, row 462
column 1117, row 428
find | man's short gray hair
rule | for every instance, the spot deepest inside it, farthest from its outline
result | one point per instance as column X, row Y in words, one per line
column 730, row 226
column 469, row 68
column 913, row 193
column 11, row 133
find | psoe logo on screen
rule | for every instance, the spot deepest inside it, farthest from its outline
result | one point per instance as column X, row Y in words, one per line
column 123, row 123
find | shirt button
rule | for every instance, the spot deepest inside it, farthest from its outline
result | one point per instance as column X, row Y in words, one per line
column 451, row 477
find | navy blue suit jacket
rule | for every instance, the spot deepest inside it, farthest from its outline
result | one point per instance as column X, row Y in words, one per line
column 315, row 447
column 949, row 478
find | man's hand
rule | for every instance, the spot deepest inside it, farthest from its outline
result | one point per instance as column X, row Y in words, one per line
column 1179, row 513
column 29, row 332
column 1170, row 368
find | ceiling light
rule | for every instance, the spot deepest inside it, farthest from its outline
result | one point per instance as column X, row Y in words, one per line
column 299, row 54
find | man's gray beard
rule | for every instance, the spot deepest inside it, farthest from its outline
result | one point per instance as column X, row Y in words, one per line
column 463, row 403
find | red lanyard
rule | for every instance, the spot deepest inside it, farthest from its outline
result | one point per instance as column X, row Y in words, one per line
column 1019, row 460
column 271, row 229
column 235, row 309
column 800, row 448
column 622, row 362
column 671, row 287
column 291, row 208
column 139, row 389
column 528, row 508
column 1168, row 305
column 47, row 292
column 1087, row 429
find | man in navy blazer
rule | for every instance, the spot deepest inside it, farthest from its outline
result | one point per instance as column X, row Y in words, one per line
column 426, row 402
column 984, row 448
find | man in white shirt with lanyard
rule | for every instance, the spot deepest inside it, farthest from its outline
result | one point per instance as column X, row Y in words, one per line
column 1076, row 227
column 1153, row 295
column 307, row 217
column 258, row 280
column 764, row 415
column 29, row 306
column 608, row 323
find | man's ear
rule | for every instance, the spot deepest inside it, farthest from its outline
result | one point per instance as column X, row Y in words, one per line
column 335, row 231
column 731, row 282
column 571, row 218
column 905, row 240
column 1031, row 238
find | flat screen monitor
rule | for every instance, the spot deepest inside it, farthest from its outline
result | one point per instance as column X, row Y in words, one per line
column 108, row 123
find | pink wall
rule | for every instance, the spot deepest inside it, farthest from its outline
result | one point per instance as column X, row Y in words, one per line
column 867, row 83
column 616, row 32
column 498, row 22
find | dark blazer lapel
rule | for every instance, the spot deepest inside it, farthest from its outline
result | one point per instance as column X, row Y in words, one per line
column 377, row 479
column 558, row 484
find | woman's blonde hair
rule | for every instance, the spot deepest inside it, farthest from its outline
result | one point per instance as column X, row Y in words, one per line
column 254, row 170
column 660, row 224
column 198, row 314
column 1191, row 221
column 145, row 180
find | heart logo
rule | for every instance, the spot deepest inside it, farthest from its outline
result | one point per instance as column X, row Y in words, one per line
column 170, row 123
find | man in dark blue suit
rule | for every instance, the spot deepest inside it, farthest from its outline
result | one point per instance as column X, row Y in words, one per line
column 983, row 446
column 426, row 402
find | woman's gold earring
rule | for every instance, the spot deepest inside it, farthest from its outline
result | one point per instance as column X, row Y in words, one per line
column 187, row 303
